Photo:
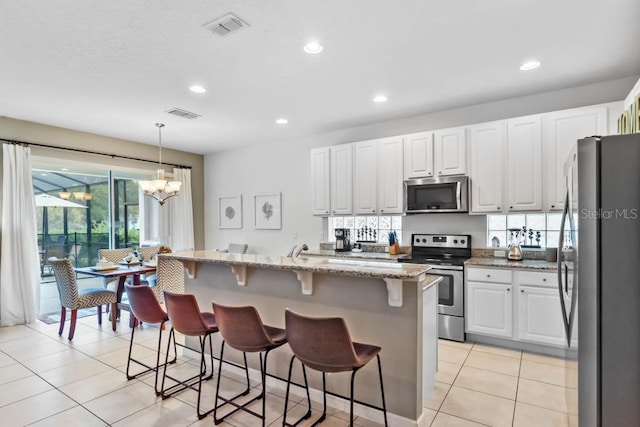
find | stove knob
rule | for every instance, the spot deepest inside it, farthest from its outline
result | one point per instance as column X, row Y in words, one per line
column 424, row 240
column 462, row 241
column 455, row 242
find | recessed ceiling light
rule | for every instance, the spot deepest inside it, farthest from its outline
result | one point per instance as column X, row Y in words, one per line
column 64, row 169
column 313, row 47
column 197, row 89
column 380, row 98
column 43, row 174
column 282, row 121
column 530, row 65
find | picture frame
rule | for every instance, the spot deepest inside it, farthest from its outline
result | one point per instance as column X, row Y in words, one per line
column 267, row 211
column 230, row 211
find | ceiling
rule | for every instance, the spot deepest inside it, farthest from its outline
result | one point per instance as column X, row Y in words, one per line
column 114, row 68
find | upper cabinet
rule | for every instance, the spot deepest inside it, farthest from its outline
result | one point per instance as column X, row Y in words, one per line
column 418, row 155
column 487, row 148
column 561, row 130
column 341, row 179
column 433, row 154
column 450, row 152
column 524, row 164
column 390, row 168
column 320, row 181
column 365, row 177
column 378, row 186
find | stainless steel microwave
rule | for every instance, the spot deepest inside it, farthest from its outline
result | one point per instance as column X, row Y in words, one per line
column 430, row 195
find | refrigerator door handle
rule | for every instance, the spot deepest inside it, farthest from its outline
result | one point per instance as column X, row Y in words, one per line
column 561, row 279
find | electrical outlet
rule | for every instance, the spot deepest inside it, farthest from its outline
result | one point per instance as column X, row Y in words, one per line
column 499, row 254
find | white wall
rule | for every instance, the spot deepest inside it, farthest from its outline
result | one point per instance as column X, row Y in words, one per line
column 284, row 167
column 632, row 95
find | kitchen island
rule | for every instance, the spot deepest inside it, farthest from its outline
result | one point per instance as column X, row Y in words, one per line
column 390, row 305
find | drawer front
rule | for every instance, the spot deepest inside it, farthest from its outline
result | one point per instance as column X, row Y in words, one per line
column 493, row 275
column 536, row 278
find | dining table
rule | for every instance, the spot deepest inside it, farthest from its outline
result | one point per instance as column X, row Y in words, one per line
column 121, row 272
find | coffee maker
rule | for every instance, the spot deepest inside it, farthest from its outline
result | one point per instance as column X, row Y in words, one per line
column 343, row 239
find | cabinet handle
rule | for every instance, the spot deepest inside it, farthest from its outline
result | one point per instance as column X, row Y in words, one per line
column 510, row 207
column 429, row 174
column 553, row 206
column 440, row 173
column 508, row 289
column 498, row 207
column 544, row 279
column 522, row 290
column 488, row 275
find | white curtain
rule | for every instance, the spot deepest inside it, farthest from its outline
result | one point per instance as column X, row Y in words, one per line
column 19, row 266
column 181, row 236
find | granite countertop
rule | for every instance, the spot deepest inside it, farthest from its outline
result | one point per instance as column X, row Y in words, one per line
column 314, row 264
column 382, row 256
column 531, row 264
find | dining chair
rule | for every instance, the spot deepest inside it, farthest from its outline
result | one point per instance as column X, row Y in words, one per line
column 116, row 256
column 74, row 299
column 324, row 344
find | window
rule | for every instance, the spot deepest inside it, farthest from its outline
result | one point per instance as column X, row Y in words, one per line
column 543, row 230
column 367, row 228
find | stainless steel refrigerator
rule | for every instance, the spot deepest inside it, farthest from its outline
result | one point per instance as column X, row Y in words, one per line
column 599, row 272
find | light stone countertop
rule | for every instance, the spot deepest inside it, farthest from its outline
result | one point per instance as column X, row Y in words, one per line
column 382, row 256
column 530, row 264
column 346, row 267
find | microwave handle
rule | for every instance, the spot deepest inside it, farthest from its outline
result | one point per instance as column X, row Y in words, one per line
column 458, row 194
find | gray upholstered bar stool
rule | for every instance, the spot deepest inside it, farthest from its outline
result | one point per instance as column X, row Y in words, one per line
column 324, row 344
column 243, row 330
column 187, row 319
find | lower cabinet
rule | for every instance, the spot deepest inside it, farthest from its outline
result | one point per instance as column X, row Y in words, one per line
column 517, row 304
column 540, row 316
column 489, row 309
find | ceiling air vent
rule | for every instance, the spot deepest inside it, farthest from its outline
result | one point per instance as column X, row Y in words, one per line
column 183, row 113
column 226, row 24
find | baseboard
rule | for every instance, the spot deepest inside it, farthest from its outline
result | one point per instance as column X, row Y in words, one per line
column 521, row 345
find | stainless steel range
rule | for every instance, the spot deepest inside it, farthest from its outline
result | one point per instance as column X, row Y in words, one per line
column 447, row 254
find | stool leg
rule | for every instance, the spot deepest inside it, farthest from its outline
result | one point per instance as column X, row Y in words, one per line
column 129, row 377
column 324, row 401
column 384, row 405
column 286, row 398
column 202, row 373
column 166, row 359
column 353, row 377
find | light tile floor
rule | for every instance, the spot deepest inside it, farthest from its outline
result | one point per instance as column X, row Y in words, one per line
column 47, row 381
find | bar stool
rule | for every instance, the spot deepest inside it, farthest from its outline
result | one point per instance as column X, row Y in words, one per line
column 146, row 308
column 187, row 319
column 243, row 330
column 324, row 344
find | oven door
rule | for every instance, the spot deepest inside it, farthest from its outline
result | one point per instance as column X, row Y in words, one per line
column 450, row 290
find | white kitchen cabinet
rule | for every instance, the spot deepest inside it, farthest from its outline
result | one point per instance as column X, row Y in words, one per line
column 524, row 164
column 487, row 149
column 390, row 197
column 365, row 177
column 489, row 309
column 540, row 316
column 320, row 181
column 561, row 130
column 418, row 155
column 450, row 152
column 342, row 179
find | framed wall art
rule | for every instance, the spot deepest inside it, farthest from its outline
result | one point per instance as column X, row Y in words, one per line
column 230, row 211
column 267, row 211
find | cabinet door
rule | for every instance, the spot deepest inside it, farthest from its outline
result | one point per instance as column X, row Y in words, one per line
column 489, row 309
column 418, row 155
column 342, row 179
column 390, row 185
column 561, row 130
column 524, row 163
column 320, row 181
column 540, row 316
column 487, row 146
column 365, row 177
column 450, row 152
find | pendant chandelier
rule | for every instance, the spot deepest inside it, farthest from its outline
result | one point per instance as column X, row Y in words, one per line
column 159, row 188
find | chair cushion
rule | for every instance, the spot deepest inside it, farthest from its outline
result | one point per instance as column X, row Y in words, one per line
column 365, row 352
column 93, row 297
column 279, row 336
